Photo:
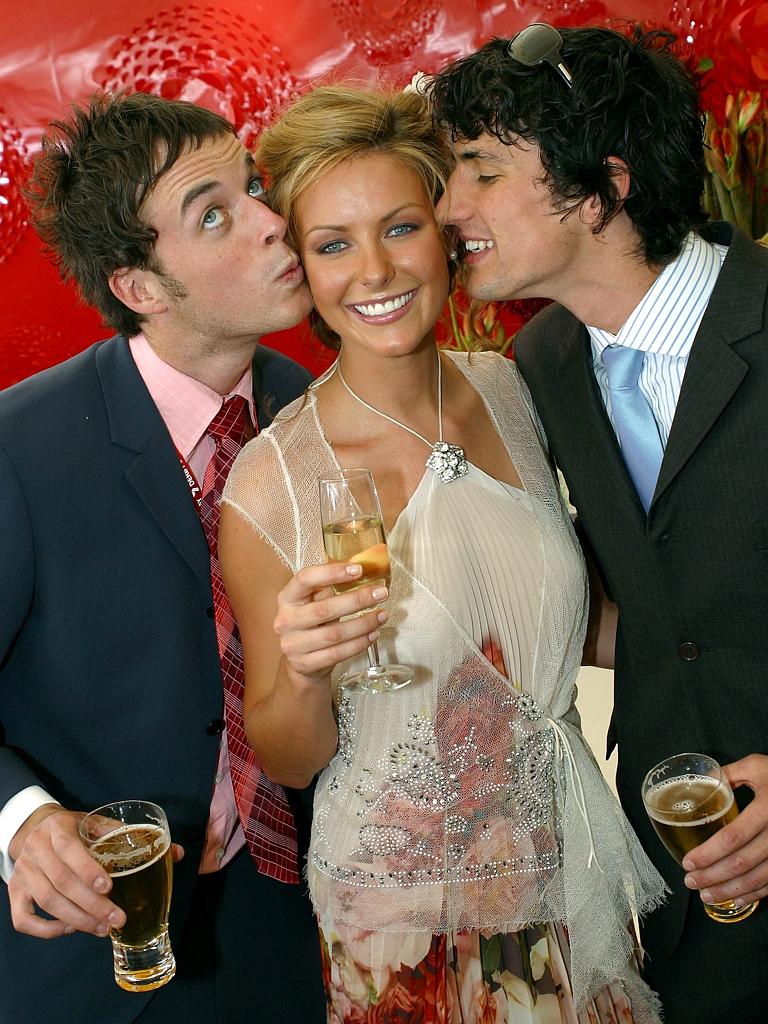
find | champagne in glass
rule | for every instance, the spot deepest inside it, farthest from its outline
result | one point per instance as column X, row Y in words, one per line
column 688, row 799
column 353, row 531
column 131, row 841
column 362, row 541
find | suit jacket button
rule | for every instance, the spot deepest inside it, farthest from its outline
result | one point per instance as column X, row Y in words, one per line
column 215, row 727
column 210, row 612
column 689, row 651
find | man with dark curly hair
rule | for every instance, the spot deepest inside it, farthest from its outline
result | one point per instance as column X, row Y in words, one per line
column 117, row 644
column 579, row 174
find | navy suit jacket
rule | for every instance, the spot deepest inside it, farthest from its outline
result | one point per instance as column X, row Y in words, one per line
column 109, row 671
column 691, row 577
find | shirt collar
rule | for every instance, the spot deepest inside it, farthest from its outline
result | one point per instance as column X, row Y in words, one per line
column 666, row 319
column 186, row 405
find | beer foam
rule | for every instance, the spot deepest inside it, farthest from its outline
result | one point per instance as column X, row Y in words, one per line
column 124, row 861
column 686, row 806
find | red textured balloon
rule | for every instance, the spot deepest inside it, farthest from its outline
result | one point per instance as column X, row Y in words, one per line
column 574, row 13
column 693, row 20
column 208, row 55
column 13, row 209
column 28, row 348
column 386, row 30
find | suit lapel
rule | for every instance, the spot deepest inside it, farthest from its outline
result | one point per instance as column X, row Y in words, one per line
column 154, row 474
column 712, row 377
column 715, row 370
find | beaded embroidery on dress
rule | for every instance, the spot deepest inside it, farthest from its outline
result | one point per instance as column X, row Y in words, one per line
column 468, row 800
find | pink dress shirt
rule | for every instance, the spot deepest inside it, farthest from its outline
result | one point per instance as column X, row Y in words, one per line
column 187, row 407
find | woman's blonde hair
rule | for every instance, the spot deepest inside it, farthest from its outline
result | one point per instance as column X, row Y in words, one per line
column 334, row 123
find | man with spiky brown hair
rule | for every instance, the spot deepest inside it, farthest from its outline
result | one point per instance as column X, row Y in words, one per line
column 115, row 636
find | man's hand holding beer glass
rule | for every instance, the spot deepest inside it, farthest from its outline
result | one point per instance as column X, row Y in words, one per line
column 54, row 871
column 733, row 864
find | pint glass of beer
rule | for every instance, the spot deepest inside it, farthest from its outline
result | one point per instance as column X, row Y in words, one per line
column 688, row 799
column 131, row 841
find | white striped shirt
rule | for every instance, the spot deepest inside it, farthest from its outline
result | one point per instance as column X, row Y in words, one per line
column 663, row 325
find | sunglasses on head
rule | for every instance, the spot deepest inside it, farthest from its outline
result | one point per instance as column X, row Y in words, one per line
column 539, row 43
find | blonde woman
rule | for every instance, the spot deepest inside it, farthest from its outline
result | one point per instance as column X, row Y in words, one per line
column 467, row 861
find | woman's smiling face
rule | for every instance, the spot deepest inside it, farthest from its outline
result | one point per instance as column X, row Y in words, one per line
column 373, row 253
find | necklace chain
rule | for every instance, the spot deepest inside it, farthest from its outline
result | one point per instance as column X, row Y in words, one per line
column 392, row 419
column 448, row 461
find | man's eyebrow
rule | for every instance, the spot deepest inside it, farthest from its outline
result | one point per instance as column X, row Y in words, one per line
column 204, row 187
column 479, row 154
column 194, row 193
column 250, row 165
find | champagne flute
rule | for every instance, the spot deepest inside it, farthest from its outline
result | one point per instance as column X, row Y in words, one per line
column 353, row 531
column 688, row 799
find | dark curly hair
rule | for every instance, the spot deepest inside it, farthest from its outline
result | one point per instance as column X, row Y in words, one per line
column 631, row 98
column 89, row 182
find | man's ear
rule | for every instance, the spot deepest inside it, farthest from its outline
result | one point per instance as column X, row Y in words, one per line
column 138, row 290
column 620, row 177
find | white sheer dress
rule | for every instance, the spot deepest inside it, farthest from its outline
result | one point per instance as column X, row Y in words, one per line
column 466, row 803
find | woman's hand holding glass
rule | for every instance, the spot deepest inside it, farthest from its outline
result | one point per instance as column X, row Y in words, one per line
column 353, row 532
column 319, row 628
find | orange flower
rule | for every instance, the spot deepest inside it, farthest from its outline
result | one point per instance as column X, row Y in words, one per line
column 747, row 108
column 755, row 147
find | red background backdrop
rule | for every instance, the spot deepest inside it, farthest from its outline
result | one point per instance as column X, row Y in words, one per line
column 245, row 58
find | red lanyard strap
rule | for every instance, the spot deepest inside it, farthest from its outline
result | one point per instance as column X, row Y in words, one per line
column 194, row 487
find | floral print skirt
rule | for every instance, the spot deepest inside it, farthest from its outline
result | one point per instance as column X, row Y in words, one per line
column 460, row 978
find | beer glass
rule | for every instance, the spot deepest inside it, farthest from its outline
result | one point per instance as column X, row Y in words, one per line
column 353, row 531
column 688, row 799
column 132, row 842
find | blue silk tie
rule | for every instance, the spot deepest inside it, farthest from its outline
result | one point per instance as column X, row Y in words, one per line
column 633, row 419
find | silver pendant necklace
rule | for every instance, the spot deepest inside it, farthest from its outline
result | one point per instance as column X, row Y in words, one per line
column 447, row 460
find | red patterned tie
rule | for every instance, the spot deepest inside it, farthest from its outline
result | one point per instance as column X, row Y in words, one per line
column 264, row 812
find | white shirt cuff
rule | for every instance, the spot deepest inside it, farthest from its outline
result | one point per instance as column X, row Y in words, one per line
column 12, row 817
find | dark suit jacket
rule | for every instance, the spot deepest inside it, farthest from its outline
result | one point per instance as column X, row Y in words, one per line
column 109, row 671
column 691, row 577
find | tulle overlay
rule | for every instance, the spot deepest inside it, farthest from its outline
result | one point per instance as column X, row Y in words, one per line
column 467, row 802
